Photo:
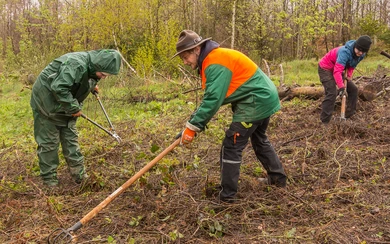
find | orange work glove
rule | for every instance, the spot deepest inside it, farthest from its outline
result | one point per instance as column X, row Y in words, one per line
column 187, row 136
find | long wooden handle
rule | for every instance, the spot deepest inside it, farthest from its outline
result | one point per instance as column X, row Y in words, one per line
column 118, row 191
column 344, row 100
column 385, row 54
column 343, row 106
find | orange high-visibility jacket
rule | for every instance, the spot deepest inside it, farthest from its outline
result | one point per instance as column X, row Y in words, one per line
column 229, row 76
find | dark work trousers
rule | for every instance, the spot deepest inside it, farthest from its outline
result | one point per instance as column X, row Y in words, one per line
column 236, row 139
column 329, row 83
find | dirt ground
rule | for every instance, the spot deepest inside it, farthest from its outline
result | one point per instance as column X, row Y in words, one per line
column 338, row 187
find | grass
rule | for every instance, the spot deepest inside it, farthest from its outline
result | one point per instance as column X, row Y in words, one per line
column 139, row 100
column 304, row 72
column 16, row 123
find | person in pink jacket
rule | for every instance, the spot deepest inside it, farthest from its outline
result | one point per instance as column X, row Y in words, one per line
column 331, row 68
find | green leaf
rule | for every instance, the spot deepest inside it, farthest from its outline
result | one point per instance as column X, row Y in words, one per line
column 154, row 148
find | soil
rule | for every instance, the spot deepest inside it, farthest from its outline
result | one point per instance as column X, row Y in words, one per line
column 338, row 187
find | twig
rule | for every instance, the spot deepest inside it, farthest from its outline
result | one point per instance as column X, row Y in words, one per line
column 281, row 82
column 266, row 65
column 296, row 139
column 164, row 76
column 186, row 193
column 195, row 89
column 51, row 210
column 334, row 157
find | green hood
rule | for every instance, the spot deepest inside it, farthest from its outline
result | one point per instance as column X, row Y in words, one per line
column 105, row 60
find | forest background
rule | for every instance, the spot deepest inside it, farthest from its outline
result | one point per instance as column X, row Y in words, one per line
column 145, row 31
column 338, row 187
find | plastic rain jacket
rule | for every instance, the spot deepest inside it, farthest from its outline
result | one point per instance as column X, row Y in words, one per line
column 63, row 85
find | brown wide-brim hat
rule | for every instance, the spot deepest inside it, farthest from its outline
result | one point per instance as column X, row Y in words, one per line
column 188, row 40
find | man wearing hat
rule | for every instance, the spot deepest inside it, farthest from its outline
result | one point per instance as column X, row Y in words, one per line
column 228, row 76
column 56, row 102
column 331, row 67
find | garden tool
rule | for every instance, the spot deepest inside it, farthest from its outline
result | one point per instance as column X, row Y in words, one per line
column 113, row 134
column 61, row 235
column 104, row 111
column 385, row 54
column 344, row 101
column 344, row 98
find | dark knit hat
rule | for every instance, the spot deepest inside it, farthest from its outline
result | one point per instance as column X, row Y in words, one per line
column 363, row 43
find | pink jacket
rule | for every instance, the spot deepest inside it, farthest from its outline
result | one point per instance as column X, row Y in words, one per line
column 339, row 59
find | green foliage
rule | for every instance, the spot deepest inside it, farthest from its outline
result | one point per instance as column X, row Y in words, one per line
column 143, row 59
column 215, row 229
column 55, row 203
column 154, row 148
column 146, row 31
column 110, row 239
column 174, row 235
column 291, row 233
column 385, row 37
column 135, row 221
column 371, row 26
column 258, row 171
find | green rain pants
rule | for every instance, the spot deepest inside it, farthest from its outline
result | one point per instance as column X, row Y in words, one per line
column 48, row 137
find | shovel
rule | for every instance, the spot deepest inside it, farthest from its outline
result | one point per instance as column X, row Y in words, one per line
column 61, row 235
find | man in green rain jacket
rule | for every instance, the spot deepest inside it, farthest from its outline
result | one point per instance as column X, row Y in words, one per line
column 56, row 102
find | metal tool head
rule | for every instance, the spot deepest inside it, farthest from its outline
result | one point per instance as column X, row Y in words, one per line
column 60, row 236
column 115, row 135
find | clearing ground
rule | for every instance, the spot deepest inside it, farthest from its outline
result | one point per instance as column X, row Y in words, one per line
column 338, row 185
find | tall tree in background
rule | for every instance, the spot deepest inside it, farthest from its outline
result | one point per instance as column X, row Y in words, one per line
column 145, row 31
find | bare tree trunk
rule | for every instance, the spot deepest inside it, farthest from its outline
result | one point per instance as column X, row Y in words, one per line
column 233, row 24
column 4, row 32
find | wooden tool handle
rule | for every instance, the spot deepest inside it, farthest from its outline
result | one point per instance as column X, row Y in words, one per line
column 343, row 106
column 385, row 54
column 118, row 191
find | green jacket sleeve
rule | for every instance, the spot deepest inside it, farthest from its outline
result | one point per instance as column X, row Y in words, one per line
column 61, row 87
column 217, row 83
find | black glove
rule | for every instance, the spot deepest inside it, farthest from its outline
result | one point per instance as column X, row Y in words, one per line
column 95, row 90
column 341, row 92
column 179, row 135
